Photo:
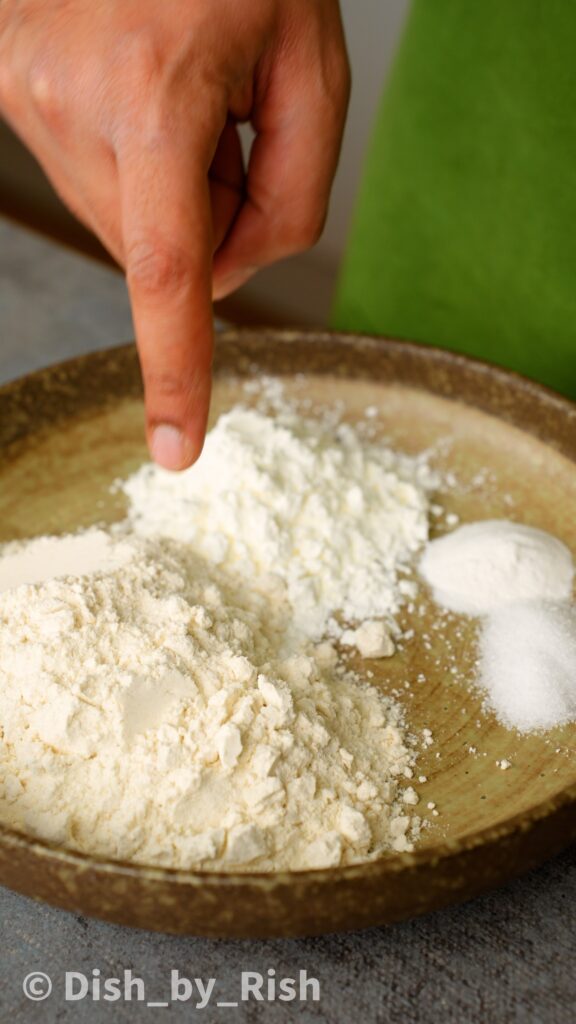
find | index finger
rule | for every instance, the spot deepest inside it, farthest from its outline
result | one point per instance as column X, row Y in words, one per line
column 167, row 238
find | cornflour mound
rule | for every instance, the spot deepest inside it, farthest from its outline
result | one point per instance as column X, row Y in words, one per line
column 484, row 566
column 335, row 518
column 149, row 714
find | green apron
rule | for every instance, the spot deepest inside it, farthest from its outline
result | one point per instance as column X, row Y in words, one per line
column 465, row 230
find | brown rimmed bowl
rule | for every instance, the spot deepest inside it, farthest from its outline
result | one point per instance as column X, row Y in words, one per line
column 67, row 432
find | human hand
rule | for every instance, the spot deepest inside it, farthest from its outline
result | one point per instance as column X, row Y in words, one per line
column 131, row 109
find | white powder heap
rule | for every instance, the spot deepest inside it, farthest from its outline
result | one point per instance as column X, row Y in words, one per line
column 147, row 714
column 528, row 665
column 520, row 579
column 46, row 557
column 334, row 518
column 483, row 566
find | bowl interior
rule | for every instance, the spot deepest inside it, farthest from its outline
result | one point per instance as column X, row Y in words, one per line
column 58, row 477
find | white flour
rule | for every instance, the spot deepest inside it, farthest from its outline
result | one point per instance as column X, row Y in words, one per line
column 334, row 518
column 46, row 557
column 147, row 715
column 180, row 704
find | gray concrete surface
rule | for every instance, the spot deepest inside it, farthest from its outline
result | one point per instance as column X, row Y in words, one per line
column 507, row 957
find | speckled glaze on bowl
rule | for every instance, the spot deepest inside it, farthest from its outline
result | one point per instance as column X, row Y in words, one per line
column 67, row 432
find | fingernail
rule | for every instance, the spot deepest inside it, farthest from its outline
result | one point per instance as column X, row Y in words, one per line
column 168, row 447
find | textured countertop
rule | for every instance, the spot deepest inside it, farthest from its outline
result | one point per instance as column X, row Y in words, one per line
column 506, row 957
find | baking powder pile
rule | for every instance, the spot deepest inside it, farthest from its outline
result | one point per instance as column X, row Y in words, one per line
column 183, row 703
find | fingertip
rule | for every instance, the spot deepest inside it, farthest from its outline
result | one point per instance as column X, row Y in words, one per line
column 171, row 448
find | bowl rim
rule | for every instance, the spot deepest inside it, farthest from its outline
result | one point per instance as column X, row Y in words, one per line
column 389, row 864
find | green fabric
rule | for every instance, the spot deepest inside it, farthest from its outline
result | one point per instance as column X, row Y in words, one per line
column 465, row 229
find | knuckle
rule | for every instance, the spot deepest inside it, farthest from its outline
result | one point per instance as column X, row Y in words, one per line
column 304, row 231
column 338, row 88
column 335, row 77
column 157, row 268
column 41, row 83
column 45, row 92
column 137, row 51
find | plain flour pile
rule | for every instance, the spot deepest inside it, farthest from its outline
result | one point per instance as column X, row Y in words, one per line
column 182, row 702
